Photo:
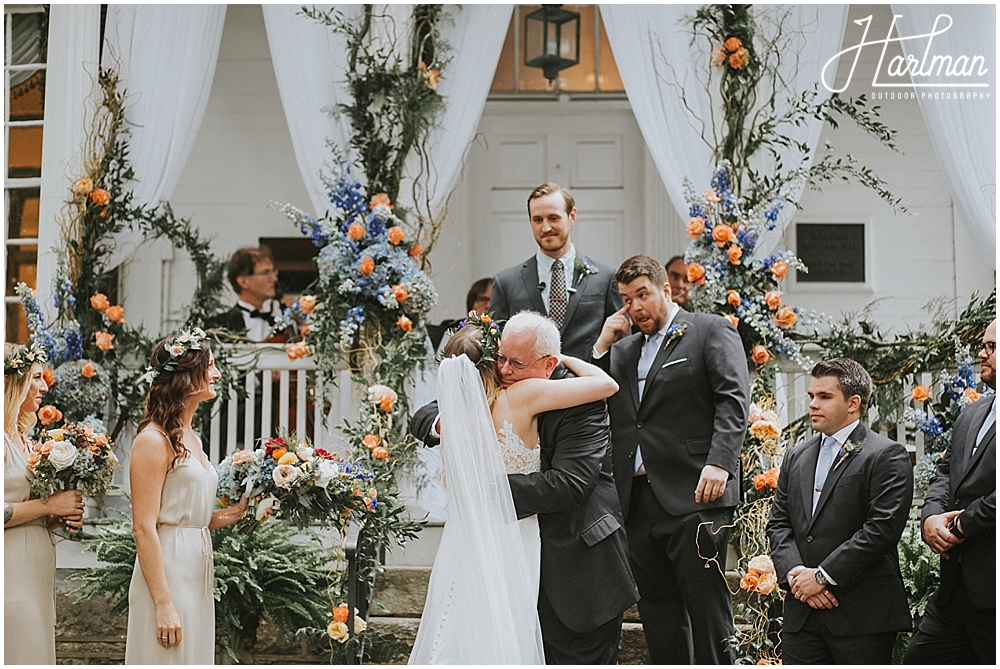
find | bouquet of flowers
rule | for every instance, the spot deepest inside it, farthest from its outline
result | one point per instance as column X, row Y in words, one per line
column 73, row 457
column 297, row 482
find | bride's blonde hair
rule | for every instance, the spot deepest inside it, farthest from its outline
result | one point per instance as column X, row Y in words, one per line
column 467, row 341
column 16, row 388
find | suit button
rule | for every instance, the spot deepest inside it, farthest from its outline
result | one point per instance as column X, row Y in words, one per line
column 809, row 539
column 638, row 426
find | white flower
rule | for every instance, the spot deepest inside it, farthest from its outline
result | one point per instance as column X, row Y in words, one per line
column 305, row 453
column 327, row 471
column 337, row 631
column 762, row 563
column 267, row 503
column 359, row 624
column 62, row 455
column 57, row 435
column 285, row 475
column 175, row 350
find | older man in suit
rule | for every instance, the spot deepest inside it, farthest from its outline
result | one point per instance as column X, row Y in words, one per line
column 677, row 423
column 576, row 292
column 842, row 502
column 959, row 522
column 585, row 581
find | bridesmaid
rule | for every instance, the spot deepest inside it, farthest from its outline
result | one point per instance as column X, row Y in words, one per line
column 171, row 616
column 29, row 552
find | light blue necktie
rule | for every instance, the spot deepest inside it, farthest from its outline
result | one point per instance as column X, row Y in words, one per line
column 823, row 467
column 645, row 363
column 991, row 418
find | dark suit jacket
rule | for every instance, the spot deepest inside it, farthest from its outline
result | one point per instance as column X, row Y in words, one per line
column 596, row 297
column 853, row 535
column 693, row 411
column 584, row 566
column 231, row 320
column 966, row 481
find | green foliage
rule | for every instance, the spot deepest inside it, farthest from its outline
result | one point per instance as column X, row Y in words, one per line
column 921, row 570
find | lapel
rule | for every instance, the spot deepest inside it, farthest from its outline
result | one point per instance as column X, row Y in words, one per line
column 858, row 436
column 968, row 460
column 529, row 275
column 665, row 350
column 807, row 473
column 580, row 280
column 631, row 348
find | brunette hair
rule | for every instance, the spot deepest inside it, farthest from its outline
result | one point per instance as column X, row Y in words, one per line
column 852, row 379
column 549, row 189
column 477, row 289
column 641, row 265
column 466, row 341
column 15, row 390
column 244, row 263
column 169, row 390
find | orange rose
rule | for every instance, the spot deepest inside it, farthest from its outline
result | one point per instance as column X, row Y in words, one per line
column 399, row 292
column 921, row 394
column 696, row 273
column 722, row 234
column 104, row 340
column 100, row 197
column 739, row 60
column 711, row 195
column 297, row 350
column 785, row 317
column 733, row 298
column 972, row 394
column 760, row 354
column 115, row 314
column 735, row 253
column 773, row 299
column 771, row 477
column 356, row 231
column 48, row 414
column 380, row 198
column 733, row 319
column 719, row 55
column 404, row 324
column 416, row 251
column 340, row 613
column 759, row 482
column 695, row 227
column 33, row 461
column 749, row 581
column 100, row 302
column 367, row 266
column 779, row 270
column 88, row 370
column 48, row 377
column 278, row 453
column 380, row 453
column 396, row 234
column 371, row 441
column 45, row 447
column 307, row 303
column 733, row 44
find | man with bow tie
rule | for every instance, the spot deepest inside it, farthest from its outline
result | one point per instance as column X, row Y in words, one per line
column 841, row 506
column 677, row 425
column 959, row 523
column 254, row 280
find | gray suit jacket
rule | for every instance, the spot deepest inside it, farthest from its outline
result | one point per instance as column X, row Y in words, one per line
column 595, row 298
column 693, row 412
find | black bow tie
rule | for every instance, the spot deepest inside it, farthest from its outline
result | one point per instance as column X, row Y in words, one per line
column 254, row 313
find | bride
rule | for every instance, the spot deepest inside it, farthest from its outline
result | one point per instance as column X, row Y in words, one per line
column 483, row 592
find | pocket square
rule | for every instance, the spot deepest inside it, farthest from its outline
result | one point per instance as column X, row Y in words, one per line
column 673, row 362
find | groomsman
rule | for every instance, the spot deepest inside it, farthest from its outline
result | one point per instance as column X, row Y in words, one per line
column 576, row 292
column 960, row 523
column 677, row 425
column 842, row 502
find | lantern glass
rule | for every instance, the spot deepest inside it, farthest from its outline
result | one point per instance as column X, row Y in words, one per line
column 552, row 39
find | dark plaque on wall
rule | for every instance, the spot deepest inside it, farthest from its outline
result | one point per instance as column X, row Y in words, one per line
column 833, row 252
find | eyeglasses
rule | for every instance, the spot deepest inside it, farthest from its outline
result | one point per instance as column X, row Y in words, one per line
column 267, row 272
column 481, row 298
column 989, row 346
column 516, row 364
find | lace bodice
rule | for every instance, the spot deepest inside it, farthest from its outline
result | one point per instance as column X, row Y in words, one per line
column 518, row 458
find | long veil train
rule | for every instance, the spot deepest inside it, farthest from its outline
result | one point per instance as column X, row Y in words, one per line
column 481, row 601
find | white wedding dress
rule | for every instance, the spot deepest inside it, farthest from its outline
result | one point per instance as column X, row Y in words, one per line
column 482, row 599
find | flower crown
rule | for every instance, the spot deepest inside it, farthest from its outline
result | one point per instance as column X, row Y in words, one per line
column 489, row 343
column 23, row 357
column 176, row 347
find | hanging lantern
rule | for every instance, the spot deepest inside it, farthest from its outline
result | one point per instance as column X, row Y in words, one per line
column 552, row 39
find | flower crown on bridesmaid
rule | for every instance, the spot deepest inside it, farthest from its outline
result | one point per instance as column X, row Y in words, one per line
column 23, row 357
column 489, row 342
column 176, row 348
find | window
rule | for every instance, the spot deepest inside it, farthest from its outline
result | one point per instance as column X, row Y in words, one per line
column 595, row 73
column 25, row 47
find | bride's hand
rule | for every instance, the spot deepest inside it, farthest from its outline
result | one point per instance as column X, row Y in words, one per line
column 168, row 625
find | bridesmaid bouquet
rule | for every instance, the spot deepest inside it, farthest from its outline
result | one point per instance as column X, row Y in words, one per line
column 73, row 457
column 296, row 482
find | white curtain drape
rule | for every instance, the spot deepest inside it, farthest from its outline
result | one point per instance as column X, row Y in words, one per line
column 663, row 73
column 167, row 55
column 962, row 131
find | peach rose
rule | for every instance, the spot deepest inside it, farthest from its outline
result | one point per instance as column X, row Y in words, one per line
column 722, row 234
column 380, row 453
column 100, row 197
column 371, row 441
column 288, row 458
column 711, row 195
column 115, row 314
column 367, row 266
column 779, row 269
column 732, row 318
column 733, row 44
column 773, row 299
column 760, row 354
column 404, row 324
column 337, row 631
column 696, row 273
column 739, row 60
column 49, row 377
column 767, row 583
column 785, row 317
column 749, row 581
column 972, row 394
column 356, row 231
column 771, row 477
column 100, row 302
column 396, row 234
column 759, row 482
column 83, row 186
column 733, row 298
column 48, row 414
column 695, row 227
column 33, row 461
column 765, row 430
column 416, row 251
column 88, row 370
column 380, row 198
column 104, row 340
column 297, row 350
column 921, row 394
column 719, row 55
column 399, row 292
column 45, row 447
column 242, row 457
column 384, row 396
column 734, row 253
column 307, row 303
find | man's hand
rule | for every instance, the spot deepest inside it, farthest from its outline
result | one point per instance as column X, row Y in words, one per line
column 938, row 536
column 805, row 587
column 824, row 600
column 712, row 484
column 616, row 326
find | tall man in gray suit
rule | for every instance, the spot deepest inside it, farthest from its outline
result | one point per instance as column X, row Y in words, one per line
column 576, row 292
column 677, row 425
column 842, row 502
column 959, row 522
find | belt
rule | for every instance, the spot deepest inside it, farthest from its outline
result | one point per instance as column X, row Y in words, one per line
column 206, row 550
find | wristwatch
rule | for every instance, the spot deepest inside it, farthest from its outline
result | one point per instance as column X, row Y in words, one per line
column 820, row 578
column 953, row 528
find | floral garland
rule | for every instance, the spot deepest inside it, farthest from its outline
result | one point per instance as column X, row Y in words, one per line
column 23, row 358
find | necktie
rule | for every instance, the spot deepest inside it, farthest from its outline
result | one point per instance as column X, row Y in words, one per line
column 823, row 467
column 557, row 294
column 991, row 418
column 645, row 362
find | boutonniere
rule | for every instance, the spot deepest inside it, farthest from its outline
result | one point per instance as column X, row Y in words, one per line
column 583, row 268
column 675, row 331
column 847, row 450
